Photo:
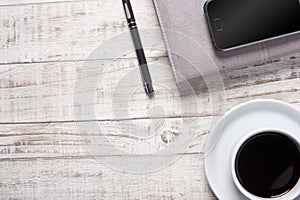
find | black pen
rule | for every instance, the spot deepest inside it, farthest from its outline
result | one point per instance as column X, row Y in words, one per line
column 146, row 78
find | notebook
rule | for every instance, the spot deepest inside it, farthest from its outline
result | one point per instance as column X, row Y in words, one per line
column 190, row 50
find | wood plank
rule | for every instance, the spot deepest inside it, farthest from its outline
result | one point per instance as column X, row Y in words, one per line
column 278, row 69
column 44, row 92
column 85, row 178
column 73, row 30
column 129, row 137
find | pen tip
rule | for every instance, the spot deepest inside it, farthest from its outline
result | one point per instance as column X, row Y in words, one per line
column 151, row 94
column 149, row 90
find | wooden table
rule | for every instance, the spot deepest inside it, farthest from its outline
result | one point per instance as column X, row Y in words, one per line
column 44, row 45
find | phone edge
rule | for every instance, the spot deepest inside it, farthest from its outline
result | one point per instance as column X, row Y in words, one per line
column 212, row 38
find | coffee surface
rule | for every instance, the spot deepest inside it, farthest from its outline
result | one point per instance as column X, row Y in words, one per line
column 268, row 164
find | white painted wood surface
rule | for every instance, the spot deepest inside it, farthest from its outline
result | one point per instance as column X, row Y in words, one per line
column 44, row 46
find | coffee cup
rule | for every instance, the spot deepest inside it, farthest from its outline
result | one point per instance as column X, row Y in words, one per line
column 265, row 164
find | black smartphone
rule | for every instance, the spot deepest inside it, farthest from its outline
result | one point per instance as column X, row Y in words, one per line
column 238, row 23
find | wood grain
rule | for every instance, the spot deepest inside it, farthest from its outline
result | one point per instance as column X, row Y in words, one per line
column 30, row 2
column 68, row 30
column 132, row 137
column 85, row 178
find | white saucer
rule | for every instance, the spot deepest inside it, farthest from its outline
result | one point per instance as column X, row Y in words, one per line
column 238, row 122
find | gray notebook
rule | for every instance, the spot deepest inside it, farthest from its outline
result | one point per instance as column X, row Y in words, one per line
column 190, row 49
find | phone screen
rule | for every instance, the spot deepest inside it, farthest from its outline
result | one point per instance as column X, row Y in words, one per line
column 235, row 23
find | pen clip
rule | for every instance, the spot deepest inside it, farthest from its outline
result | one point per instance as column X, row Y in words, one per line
column 128, row 11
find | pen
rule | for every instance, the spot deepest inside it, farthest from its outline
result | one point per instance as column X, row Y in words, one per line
column 146, row 78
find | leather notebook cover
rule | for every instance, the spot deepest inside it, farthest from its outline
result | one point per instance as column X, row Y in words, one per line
column 187, row 37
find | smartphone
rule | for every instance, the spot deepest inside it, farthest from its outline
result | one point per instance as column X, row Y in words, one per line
column 239, row 23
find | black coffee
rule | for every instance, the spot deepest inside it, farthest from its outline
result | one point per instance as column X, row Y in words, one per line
column 268, row 164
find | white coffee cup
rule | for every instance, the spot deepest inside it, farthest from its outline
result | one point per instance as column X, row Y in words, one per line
column 289, row 195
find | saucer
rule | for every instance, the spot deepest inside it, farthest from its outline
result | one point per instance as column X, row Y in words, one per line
column 235, row 125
